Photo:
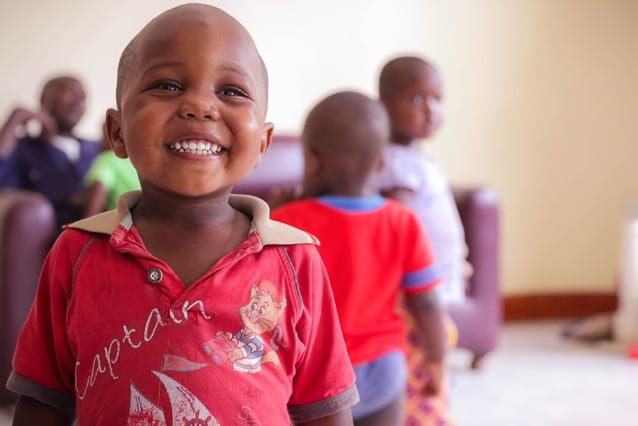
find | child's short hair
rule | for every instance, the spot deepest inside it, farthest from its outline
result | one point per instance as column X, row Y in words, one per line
column 397, row 73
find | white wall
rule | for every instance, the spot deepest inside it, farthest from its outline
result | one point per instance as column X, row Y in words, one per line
column 542, row 98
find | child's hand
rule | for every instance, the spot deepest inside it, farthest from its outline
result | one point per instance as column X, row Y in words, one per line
column 435, row 372
column 16, row 127
column 234, row 354
column 280, row 196
column 21, row 116
column 49, row 126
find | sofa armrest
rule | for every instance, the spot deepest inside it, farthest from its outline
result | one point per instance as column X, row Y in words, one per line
column 27, row 229
column 479, row 318
column 479, row 211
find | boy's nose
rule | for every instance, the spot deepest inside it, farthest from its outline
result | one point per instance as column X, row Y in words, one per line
column 199, row 108
column 434, row 108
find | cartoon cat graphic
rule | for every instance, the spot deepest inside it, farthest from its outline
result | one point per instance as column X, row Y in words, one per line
column 245, row 349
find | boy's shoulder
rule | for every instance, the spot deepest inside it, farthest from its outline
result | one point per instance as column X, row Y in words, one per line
column 271, row 232
column 300, row 212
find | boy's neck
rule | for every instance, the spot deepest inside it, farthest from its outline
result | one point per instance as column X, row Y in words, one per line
column 352, row 192
column 176, row 211
column 190, row 234
column 403, row 141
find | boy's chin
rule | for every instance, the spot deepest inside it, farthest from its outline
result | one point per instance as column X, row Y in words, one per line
column 429, row 131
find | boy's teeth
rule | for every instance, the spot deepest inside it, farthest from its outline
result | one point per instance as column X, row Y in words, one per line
column 196, row 147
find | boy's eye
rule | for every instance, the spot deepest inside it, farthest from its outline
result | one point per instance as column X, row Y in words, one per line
column 418, row 100
column 168, row 86
column 232, row 91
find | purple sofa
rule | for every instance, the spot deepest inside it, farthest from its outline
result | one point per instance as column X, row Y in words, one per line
column 479, row 317
column 27, row 228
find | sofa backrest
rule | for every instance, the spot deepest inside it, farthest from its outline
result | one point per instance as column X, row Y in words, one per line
column 281, row 166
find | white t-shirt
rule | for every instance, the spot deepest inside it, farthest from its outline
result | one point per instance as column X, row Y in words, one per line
column 434, row 204
column 70, row 146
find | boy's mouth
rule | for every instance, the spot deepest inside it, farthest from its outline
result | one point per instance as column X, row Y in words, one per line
column 196, row 146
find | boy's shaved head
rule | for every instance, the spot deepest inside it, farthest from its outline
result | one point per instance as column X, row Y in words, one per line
column 347, row 131
column 54, row 83
column 400, row 73
column 173, row 20
column 354, row 123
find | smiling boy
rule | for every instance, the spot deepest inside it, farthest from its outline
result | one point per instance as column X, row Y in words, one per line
column 186, row 304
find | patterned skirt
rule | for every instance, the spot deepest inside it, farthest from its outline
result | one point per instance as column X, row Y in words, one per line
column 422, row 410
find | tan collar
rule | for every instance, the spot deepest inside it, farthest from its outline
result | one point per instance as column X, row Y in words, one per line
column 270, row 231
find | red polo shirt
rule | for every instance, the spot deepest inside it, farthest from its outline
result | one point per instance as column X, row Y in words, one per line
column 115, row 336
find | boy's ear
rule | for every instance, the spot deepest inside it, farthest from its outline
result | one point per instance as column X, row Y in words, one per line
column 312, row 162
column 113, row 132
column 265, row 141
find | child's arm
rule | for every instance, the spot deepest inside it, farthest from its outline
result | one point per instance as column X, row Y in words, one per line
column 342, row 418
column 428, row 318
column 31, row 412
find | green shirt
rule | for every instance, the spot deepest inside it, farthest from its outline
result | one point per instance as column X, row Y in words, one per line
column 116, row 174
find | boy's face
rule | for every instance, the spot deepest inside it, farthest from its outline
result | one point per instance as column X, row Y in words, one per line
column 192, row 111
column 65, row 100
column 416, row 111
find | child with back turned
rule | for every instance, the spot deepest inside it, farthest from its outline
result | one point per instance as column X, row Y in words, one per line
column 373, row 248
column 186, row 305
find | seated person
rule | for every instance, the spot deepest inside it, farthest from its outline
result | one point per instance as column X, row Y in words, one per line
column 54, row 162
column 374, row 250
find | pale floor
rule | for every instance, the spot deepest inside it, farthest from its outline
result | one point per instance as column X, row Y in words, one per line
column 537, row 378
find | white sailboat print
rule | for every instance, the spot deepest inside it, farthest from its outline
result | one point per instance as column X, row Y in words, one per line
column 187, row 409
column 142, row 412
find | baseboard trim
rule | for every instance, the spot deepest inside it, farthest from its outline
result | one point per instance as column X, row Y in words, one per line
column 546, row 306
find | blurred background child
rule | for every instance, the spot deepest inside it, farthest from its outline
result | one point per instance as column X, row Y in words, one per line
column 412, row 92
column 374, row 250
column 55, row 161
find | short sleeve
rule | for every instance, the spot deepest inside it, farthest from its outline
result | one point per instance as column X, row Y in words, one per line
column 324, row 383
column 423, row 273
column 43, row 363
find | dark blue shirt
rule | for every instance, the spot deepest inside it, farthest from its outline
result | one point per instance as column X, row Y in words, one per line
column 36, row 165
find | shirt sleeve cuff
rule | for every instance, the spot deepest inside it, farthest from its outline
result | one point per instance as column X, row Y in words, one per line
column 61, row 401
column 325, row 407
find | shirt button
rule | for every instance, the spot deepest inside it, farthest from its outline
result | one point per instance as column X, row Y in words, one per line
column 154, row 276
